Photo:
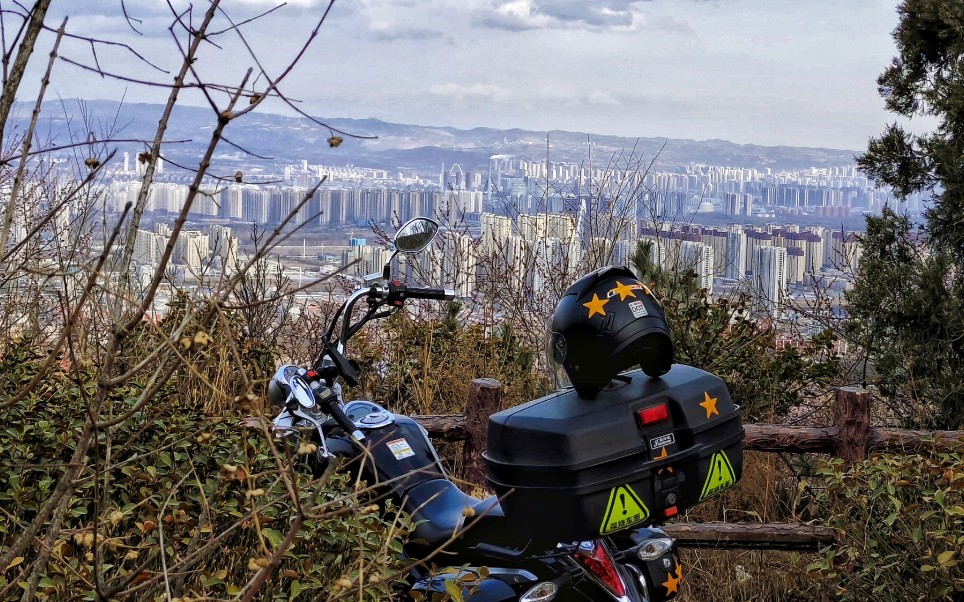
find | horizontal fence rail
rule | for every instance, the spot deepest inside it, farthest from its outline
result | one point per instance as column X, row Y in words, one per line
column 765, row 536
column 851, row 438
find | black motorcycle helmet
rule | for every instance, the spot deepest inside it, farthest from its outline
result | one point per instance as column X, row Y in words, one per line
column 605, row 323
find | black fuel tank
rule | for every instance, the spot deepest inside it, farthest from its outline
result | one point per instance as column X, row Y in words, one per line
column 403, row 455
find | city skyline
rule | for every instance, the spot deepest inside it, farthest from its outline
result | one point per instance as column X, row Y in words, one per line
column 543, row 231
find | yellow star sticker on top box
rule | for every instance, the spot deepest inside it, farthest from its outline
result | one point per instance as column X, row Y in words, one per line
column 662, row 455
column 710, row 405
column 596, row 305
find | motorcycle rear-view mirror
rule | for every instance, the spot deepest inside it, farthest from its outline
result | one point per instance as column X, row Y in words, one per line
column 415, row 234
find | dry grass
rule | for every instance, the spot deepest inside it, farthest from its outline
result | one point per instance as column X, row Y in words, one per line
column 767, row 492
column 743, row 575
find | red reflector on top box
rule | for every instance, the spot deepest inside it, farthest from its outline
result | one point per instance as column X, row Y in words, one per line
column 652, row 415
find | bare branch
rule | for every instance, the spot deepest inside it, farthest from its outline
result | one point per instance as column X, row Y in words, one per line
column 235, row 26
column 130, row 20
column 273, row 84
column 128, row 250
column 247, row 151
column 48, row 149
column 21, row 170
column 12, row 83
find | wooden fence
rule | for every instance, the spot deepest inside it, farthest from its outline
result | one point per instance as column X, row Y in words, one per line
column 851, row 438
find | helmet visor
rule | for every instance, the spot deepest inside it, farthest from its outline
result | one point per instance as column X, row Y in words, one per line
column 555, row 355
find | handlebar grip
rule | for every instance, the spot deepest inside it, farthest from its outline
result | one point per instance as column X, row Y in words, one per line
column 327, row 397
column 436, row 294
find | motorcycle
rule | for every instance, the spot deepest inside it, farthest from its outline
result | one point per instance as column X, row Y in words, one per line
column 489, row 559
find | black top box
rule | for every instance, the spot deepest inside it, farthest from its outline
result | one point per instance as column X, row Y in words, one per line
column 642, row 451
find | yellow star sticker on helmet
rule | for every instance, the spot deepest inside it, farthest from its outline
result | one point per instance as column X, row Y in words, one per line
column 624, row 291
column 596, row 305
column 710, row 405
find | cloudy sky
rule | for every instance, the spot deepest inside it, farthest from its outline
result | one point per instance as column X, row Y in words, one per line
column 795, row 72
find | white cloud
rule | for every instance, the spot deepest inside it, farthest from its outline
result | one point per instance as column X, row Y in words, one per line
column 298, row 3
column 598, row 97
column 474, row 92
column 520, row 15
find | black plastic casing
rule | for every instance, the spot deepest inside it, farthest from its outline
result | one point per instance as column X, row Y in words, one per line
column 566, row 467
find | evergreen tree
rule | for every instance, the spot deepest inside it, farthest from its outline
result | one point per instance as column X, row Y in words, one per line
column 721, row 337
column 905, row 307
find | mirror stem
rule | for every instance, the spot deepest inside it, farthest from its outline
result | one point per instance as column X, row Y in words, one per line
column 387, row 271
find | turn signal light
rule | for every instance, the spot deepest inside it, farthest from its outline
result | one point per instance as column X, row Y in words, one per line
column 544, row 592
column 648, row 416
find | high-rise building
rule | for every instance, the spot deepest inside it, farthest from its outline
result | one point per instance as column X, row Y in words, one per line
column 496, row 230
column 224, row 246
column 845, row 251
column 191, row 249
column 364, row 259
column 769, row 279
column 736, row 254
column 655, row 248
column 145, row 247
column 701, row 259
column 455, row 262
column 796, row 265
column 717, row 240
column 232, row 202
column 546, row 225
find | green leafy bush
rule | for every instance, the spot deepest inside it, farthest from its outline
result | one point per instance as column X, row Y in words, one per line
column 426, row 366
column 900, row 529
column 173, row 503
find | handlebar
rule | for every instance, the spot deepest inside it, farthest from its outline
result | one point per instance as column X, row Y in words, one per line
column 435, row 294
column 327, row 398
column 377, row 295
column 394, row 295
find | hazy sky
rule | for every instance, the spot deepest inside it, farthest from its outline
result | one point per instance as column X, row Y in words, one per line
column 795, row 72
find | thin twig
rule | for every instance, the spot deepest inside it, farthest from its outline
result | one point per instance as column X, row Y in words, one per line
column 28, row 136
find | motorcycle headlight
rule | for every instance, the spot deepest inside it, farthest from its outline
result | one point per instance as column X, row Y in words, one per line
column 652, row 549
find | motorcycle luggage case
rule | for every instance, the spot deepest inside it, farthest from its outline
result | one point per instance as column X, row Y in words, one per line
column 644, row 450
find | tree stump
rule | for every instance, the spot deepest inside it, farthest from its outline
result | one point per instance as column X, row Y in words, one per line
column 851, row 415
column 485, row 398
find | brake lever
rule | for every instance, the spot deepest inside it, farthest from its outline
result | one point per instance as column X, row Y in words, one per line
column 343, row 365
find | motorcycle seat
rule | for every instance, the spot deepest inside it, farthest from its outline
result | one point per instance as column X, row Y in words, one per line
column 440, row 510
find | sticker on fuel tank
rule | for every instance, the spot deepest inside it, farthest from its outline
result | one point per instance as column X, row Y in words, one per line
column 400, row 448
column 662, row 441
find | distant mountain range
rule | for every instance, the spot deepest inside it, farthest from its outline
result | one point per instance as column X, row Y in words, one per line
column 282, row 140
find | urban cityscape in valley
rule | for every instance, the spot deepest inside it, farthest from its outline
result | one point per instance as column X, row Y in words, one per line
column 734, row 227
column 781, row 234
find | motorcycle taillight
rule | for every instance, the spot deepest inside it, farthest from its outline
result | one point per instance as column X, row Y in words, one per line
column 601, row 566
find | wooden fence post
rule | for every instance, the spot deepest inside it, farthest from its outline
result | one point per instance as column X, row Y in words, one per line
column 485, row 398
column 851, row 415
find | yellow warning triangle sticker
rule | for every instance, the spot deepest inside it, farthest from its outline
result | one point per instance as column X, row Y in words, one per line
column 720, row 476
column 624, row 510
